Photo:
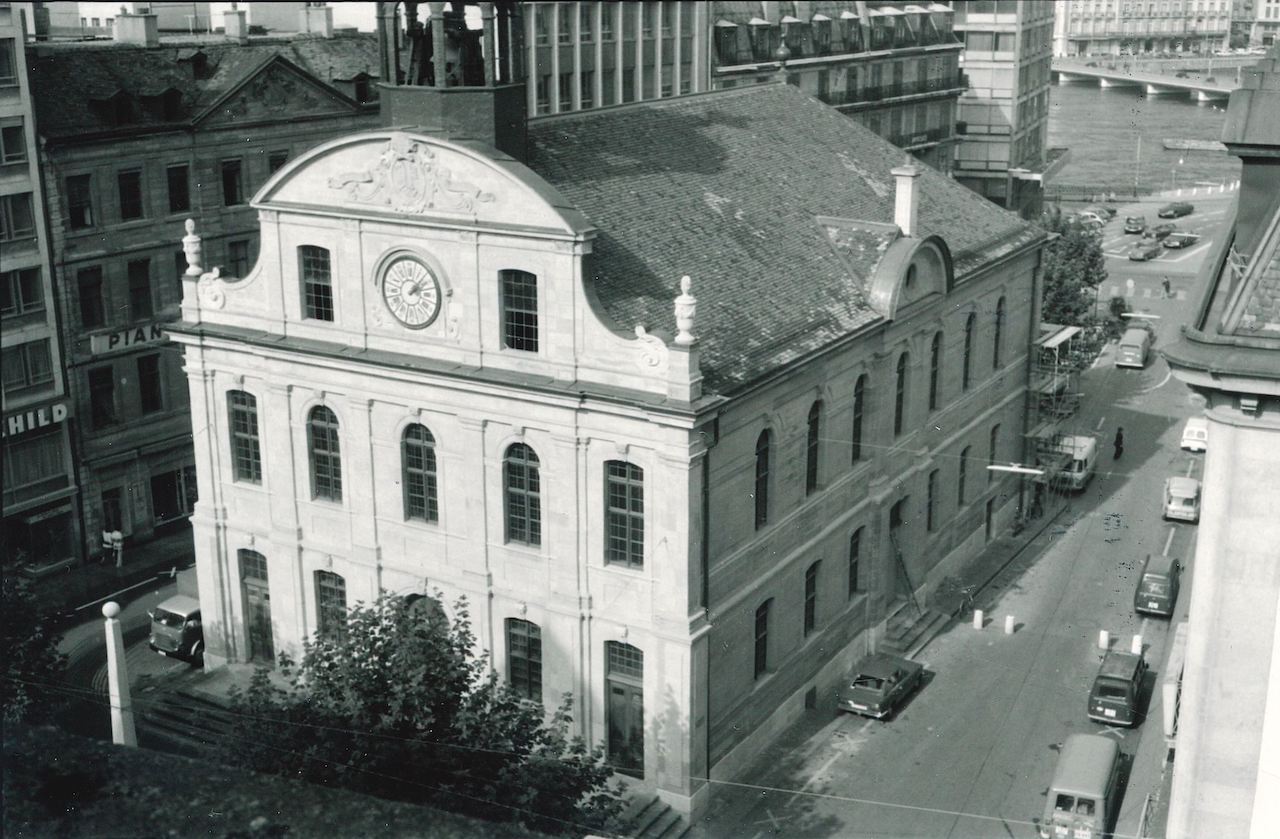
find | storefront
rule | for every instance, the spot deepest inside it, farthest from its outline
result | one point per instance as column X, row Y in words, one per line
column 40, row 528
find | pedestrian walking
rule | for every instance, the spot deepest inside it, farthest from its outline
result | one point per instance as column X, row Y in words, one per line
column 1119, row 444
column 1167, row 288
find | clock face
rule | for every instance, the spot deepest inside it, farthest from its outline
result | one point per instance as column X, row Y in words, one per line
column 411, row 292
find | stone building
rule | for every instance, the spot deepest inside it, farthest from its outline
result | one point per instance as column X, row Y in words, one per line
column 1117, row 27
column 1226, row 768
column 135, row 136
column 41, row 522
column 466, row 362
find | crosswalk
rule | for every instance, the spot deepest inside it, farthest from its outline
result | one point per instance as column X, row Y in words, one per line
column 1147, row 293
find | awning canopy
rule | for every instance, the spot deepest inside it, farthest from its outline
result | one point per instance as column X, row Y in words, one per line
column 1063, row 335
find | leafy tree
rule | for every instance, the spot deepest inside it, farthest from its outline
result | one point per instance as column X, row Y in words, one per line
column 399, row 706
column 31, row 655
column 1073, row 269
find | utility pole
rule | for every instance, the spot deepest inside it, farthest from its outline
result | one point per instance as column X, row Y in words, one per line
column 122, row 730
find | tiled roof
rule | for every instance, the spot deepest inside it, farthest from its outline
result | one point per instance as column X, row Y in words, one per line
column 1257, row 313
column 738, row 189
column 69, row 78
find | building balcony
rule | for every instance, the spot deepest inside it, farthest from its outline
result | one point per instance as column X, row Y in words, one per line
column 895, row 90
column 921, row 138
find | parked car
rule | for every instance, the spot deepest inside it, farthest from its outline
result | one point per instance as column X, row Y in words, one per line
column 1182, row 499
column 1195, row 434
column 1117, row 689
column 1135, row 224
column 1180, row 239
column 878, row 684
column 1091, row 217
column 1177, row 209
column 1102, row 211
column 1157, row 590
column 1160, row 231
column 1144, row 250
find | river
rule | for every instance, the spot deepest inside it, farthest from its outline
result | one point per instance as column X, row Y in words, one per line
column 1102, row 127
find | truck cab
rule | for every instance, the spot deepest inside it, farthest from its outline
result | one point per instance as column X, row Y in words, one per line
column 176, row 629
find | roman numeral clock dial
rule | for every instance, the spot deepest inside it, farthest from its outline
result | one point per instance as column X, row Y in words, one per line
column 411, row 292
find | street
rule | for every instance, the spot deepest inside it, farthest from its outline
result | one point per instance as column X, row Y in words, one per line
column 973, row 752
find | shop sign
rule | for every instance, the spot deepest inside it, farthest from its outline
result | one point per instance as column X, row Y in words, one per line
column 22, row 422
column 111, row 341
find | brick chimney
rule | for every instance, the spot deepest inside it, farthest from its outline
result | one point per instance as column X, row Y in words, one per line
column 316, row 19
column 906, row 201
column 140, row 29
column 235, row 26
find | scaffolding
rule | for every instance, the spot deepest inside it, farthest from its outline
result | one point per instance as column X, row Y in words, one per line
column 1060, row 353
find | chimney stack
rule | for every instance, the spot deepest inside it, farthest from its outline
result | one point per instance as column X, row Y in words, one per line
column 317, row 20
column 139, row 29
column 235, row 26
column 906, row 200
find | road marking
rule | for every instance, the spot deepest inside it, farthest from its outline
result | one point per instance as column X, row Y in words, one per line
column 1111, row 729
column 1191, row 465
column 1101, row 420
column 1146, row 293
column 1142, row 628
column 1182, row 295
column 1187, row 253
column 1168, row 543
column 1167, row 375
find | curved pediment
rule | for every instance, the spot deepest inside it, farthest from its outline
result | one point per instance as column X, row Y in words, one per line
column 405, row 175
column 911, row 270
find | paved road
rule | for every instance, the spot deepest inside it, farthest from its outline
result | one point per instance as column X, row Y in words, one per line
column 973, row 752
column 1181, row 266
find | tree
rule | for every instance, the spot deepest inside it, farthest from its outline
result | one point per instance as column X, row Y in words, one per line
column 1073, row 268
column 32, row 660
column 398, row 705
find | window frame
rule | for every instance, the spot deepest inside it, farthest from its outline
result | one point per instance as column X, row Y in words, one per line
column 935, row 369
column 130, row 194
column 142, row 302
column 994, row 443
column 518, row 321
column 33, row 377
column 317, row 291
column 962, row 476
column 150, row 383
column 998, row 338
column 96, row 304
column 17, row 283
column 238, row 258
column 324, row 429
column 231, row 174
column 331, row 612
column 80, row 210
column 520, row 463
column 9, row 229
column 859, row 416
column 966, row 373
column 10, row 56
column 812, row 449
column 171, row 180
column 900, row 393
column 760, row 664
column 811, row 597
column 764, row 443
column 12, row 153
column 246, row 444
column 98, row 391
column 419, row 474
column 854, row 558
column 624, row 478
column 931, row 501
column 524, row 667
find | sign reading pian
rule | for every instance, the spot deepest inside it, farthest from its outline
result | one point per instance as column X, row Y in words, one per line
column 111, row 341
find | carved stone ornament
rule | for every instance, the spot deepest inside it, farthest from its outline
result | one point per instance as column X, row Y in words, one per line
column 652, row 352
column 191, row 247
column 409, row 178
column 210, row 289
column 686, row 309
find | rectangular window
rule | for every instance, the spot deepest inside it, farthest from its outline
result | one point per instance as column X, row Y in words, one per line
column 331, row 605
column 609, row 87
column 564, row 13
column 238, row 257
column 524, row 658
column 102, row 397
column 140, row 303
column 931, row 500
column 246, row 456
column 34, row 466
column 27, row 366
column 80, row 201
column 23, row 293
column 606, row 22
column 855, row 554
column 960, row 478
column 811, row 598
column 92, row 306
column 519, row 311
column 587, row 87
column 624, row 514
column 16, row 220
column 317, row 288
column 8, row 67
column 566, row 91
column 276, row 160
column 150, row 391
column 585, row 23
column 179, row 181
column 232, row 183
column 762, row 639
column 543, row 105
column 13, row 144
column 130, row 188
column 540, row 25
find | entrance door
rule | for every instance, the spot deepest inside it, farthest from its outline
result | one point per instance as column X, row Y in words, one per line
column 624, row 713
column 257, row 606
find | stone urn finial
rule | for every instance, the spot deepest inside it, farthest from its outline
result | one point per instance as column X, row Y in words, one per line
column 191, row 247
column 686, row 309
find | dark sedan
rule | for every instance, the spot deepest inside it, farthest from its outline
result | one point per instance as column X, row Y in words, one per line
column 878, row 684
column 1177, row 209
column 1144, row 250
column 1159, row 231
column 1181, row 240
column 1135, row 224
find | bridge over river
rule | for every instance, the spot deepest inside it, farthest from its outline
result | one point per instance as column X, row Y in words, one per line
column 1152, row 83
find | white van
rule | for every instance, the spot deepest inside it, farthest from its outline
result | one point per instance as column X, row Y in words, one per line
column 1182, row 499
column 1134, row 347
column 1083, row 451
column 1195, row 434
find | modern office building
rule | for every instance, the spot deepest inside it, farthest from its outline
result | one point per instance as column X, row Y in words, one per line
column 467, row 361
column 1226, row 767
column 1131, row 27
column 135, row 135
column 1004, row 112
column 40, row 529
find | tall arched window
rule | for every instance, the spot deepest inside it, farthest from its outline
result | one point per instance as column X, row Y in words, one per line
column 995, row 443
column 811, row 598
column 855, row 554
column 935, row 369
column 859, row 407
column 967, row 373
column 326, row 457
column 931, row 501
column 246, row 456
column 900, row 395
column 523, row 485
column 999, row 335
column 418, row 463
column 519, row 310
column 624, row 514
column 811, row 449
column 762, row 638
column 962, row 476
column 762, row 479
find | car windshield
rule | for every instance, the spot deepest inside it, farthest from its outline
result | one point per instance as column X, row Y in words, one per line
column 1084, row 806
column 868, row 682
column 1153, row 584
column 1187, row 502
column 1065, row 803
column 169, row 619
column 1111, row 691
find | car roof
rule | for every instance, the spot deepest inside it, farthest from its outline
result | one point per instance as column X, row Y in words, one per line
column 1198, row 422
column 1119, row 665
column 882, row 665
column 1084, row 764
column 180, row 604
column 1182, row 486
column 1159, row 564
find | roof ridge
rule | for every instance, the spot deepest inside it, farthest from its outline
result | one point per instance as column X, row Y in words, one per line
column 664, row 102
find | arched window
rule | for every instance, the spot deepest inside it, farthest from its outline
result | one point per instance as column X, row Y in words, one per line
column 900, row 395
column 524, row 658
column 855, row 554
column 523, row 495
column 418, row 462
column 962, row 476
column 762, row 638
column 519, row 310
column 967, row 373
column 811, row 598
column 811, row 448
column 762, row 479
column 995, row 443
column 931, row 501
column 999, row 334
column 859, row 407
column 326, row 458
column 317, row 284
column 331, row 605
column 246, row 456
column 935, row 369
column 624, row 514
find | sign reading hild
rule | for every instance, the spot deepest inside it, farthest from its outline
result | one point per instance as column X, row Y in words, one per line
column 111, row 341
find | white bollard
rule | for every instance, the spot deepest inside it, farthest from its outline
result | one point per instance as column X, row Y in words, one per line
column 1135, row 646
column 977, row 619
column 122, row 730
column 1008, row 624
column 1104, row 639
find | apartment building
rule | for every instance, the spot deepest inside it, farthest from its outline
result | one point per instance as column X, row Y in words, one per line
column 1132, row 27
